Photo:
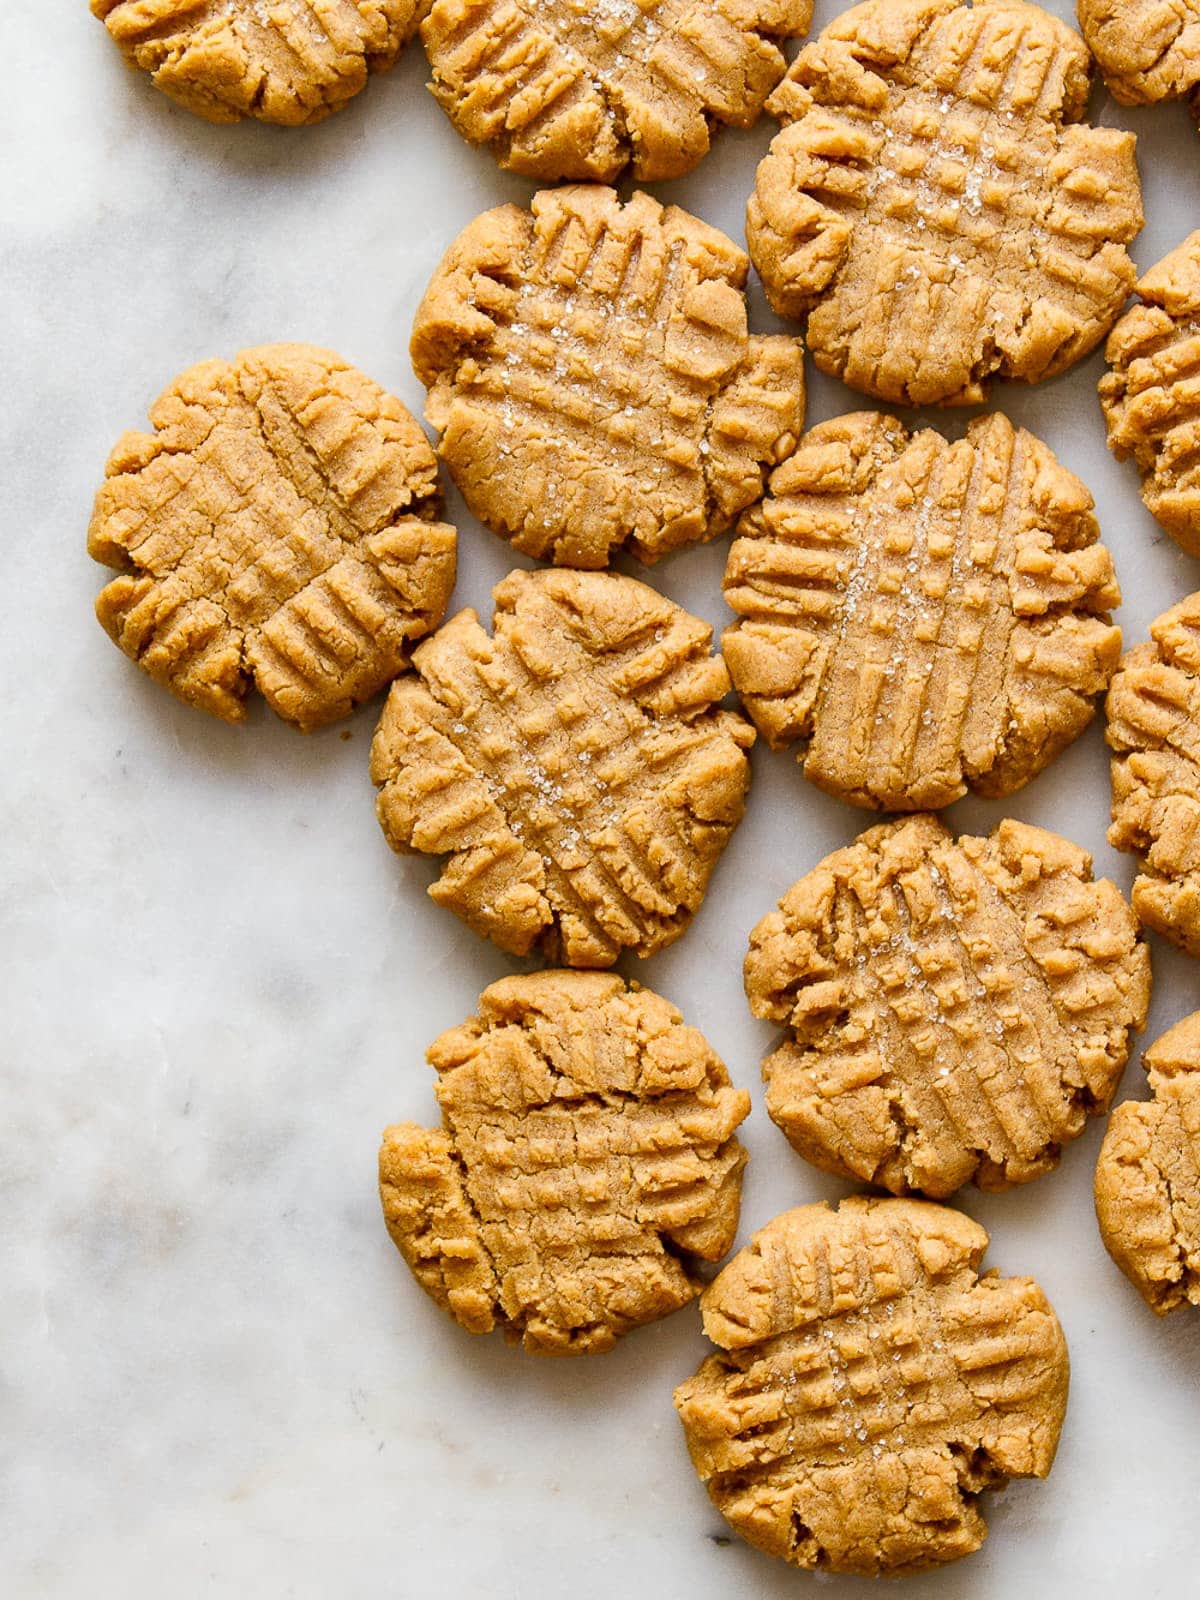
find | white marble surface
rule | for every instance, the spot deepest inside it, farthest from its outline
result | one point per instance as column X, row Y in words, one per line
column 217, row 1376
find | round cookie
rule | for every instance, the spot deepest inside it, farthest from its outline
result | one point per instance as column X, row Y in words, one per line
column 1153, row 711
column 285, row 61
column 563, row 90
column 1149, row 394
column 574, row 767
column 935, row 207
column 593, row 381
column 1148, row 1176
column 1147, row 50
column 922, row 617
column 586, row 1163
column 870, row 1385
column 956, row 1009
column 277, row 529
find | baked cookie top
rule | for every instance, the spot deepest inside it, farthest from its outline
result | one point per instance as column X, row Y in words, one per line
column 593, row 381
column 922, row 617
column 564, row 90
column 278, row 529
column 285, row 61
column 1149, row 394
column 1148, row 1176
column 956, row 1009
column 585, row 1163
column 1153, row 711
column 934, row 205
column 870, row 1385
column 1147, row 50
column 574, row 767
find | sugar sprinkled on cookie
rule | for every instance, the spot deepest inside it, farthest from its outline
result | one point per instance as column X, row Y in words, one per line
column 593, row 381
column 574, row 766
column 559, row 89
column 935, row 206
column 921, row 617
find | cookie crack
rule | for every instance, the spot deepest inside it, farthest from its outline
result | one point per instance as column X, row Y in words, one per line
column 462, row 1172
column 341, row 523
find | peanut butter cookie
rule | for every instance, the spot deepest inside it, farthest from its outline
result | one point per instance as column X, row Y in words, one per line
column 956, row 1009
column 593, row 381
column 276, row 528
column 922, row 617
column 870, row 1385
column 1149, row 396
column 285, row 61
column 1148, row 1176
column 1147, row 50
column 574, row 767
column 564, row 90
column 935, row 206
column 1154, row 728
column 586, row 1162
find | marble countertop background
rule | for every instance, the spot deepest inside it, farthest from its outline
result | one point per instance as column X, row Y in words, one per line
column 216, row 1376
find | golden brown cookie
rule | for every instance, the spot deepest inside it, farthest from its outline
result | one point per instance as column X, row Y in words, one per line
column 585, row 1163
column 285, row 61
column 1147, row 50
column 934, row 205
column 956, row 1009
column 1154, row 727
column 276, row 528
column 574, row 767
column 1148, row 1176
column 1149, row 397
column 560, row 89
column 593, row 381
column 870, row 1386
column 922, row 617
